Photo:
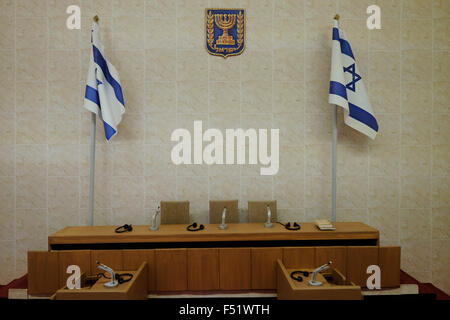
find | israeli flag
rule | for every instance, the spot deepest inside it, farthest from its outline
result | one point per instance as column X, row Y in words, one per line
column 347, row 88
column 103, row 91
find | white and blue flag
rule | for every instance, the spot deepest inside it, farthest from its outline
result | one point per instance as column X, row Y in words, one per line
column 103, row 91
column 347, row 88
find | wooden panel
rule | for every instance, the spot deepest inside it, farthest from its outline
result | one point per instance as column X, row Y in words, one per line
column 43, row 272
column 389, row 262
column 235, row 232
column 203, row 269
column 216, row 210
column 336, row 254
column 81, row 258
column 151, row 270
column 171, row 269
column 174, row 212
column 264, row 263
column 235, row 268
column 358, row 259
column 139, row 290
column 111, row 258
column 299, row 257
column 132, row 260
column 257, row 211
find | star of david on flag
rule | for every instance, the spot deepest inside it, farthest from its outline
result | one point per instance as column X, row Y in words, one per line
column 347, row 88
column 355, row 77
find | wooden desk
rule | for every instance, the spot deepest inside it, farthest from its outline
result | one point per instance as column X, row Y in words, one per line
column 242, row 257
column 237, row 235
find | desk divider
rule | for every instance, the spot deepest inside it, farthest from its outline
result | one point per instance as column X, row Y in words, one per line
column 132, row 259
column 389, row 262
column 171, row 269
column 203, row 269
column 235, row 268
column 264, row 264
column 294, row 257
column 43, row 272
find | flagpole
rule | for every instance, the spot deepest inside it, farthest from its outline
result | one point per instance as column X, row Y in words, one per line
column 92, row 163
column 334, row 167
column 334, row 160
column 92, row 170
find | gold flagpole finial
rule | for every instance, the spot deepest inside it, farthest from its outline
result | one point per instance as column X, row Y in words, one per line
column 336, row 17
column 96, row 18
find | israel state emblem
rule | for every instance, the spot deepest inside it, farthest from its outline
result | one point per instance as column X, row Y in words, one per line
column 225, row 31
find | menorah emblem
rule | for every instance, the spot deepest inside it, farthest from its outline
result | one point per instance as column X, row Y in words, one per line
column 225, row 31
column 225, row 22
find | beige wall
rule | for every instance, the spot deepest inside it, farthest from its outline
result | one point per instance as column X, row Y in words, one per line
column 399, row 183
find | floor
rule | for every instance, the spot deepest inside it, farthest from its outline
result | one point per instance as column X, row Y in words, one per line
column 16, row 289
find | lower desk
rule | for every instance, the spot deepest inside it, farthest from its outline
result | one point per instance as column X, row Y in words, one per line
column 243, row 257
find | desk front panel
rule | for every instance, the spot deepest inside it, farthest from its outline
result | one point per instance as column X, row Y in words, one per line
column 214, row 269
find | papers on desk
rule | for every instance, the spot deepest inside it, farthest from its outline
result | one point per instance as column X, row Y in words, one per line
column 324, row 225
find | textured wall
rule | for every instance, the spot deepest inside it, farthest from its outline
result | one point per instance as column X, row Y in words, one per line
column 399, row 183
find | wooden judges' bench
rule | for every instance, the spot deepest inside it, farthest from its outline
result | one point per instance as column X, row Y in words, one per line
column 242, row 257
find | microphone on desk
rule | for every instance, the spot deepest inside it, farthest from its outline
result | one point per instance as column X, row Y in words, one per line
column 268, row 223
column 112, row 283
column 223, row 225
column 154, row 226
column 314, row 281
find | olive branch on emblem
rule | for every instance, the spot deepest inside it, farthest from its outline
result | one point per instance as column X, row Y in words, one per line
column 240, row 29
column 210, row 28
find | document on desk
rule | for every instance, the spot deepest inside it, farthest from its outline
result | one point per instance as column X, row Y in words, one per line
column 324, row 225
